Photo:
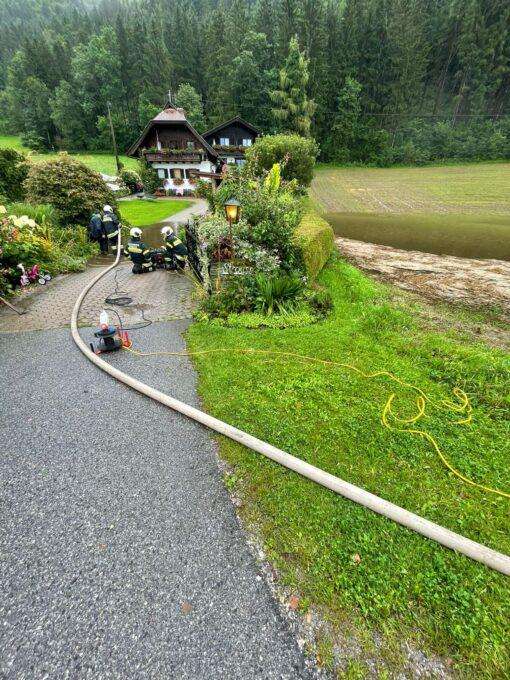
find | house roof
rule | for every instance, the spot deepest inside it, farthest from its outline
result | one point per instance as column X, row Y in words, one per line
column 168, row 117
column 170, row 113
column 236, row 119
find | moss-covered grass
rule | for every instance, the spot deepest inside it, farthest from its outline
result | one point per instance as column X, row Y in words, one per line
column 368, row 575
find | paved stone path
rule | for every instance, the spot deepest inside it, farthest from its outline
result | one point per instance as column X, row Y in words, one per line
column 162, row 295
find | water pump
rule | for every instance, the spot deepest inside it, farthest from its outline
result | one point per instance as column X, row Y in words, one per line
column 110, row 339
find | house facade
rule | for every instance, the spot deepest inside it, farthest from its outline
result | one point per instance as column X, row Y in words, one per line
column 231, row 139
column 176, row 151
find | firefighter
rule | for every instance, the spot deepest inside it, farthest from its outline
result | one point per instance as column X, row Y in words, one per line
column 97, row 232
column 139, row 252
column 111, row 226
column 175, row 250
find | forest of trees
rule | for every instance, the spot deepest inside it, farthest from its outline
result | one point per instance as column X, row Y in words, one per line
column 378, row 81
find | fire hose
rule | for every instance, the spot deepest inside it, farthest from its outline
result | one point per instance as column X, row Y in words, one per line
column 476, row 551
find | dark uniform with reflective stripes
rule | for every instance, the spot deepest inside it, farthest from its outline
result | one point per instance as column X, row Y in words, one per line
column 175, row 251
column 140, row 255
column 111, row 228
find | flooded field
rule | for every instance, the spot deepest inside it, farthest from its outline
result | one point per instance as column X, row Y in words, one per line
column 473, row 236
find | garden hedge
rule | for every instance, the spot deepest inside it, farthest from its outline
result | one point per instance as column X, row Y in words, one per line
column 315, row 238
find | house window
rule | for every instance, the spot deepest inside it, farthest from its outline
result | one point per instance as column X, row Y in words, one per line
column 246, row 142
column 190, row 145
column 162, row 173
column 224, row 141
column 159, row 145
column 177, row 173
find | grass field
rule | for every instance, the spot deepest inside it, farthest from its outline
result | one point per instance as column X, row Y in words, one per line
column 481, row 188
column 376, row 583
column 461, row 210
column 139, row 212
column 100, row 162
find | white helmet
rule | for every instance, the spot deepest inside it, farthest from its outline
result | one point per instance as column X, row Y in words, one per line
column 107, row 208
column 135, row 232
column 167, row 230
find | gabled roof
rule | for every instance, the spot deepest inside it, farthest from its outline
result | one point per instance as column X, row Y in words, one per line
column 167, row 118
column 236, row 119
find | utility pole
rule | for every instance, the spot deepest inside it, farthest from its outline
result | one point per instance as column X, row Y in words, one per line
column 117, row 161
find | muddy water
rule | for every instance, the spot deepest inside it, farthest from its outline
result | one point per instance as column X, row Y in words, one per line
column 151, row 236
column 473, row 236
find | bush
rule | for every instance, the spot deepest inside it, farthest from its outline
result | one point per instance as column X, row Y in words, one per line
column 236, row 295
column 132, row 180
column 296, row 156
column 277, row 293
column 23, row 240
column 13, row 173
column 44, row 215
column 73, row 189
column 149, row 176
column 315, row 239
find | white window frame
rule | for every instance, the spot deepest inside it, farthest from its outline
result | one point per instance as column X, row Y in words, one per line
column 247, row 142
column 224, row 141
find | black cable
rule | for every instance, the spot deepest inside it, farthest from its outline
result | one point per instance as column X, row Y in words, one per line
column 121, row 298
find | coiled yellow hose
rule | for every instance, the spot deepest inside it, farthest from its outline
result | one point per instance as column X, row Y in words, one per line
column 462, row 406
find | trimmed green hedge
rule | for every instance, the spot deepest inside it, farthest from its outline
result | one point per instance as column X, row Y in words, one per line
column 315, row 238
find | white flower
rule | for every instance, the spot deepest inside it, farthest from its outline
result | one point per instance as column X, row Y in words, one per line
column 3, row 210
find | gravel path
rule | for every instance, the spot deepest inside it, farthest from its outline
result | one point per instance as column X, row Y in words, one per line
column 121, row 555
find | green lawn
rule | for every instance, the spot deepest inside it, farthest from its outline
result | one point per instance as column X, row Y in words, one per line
column 480, row 188
column 140, row 212
column 100, row 162
column 368, row 575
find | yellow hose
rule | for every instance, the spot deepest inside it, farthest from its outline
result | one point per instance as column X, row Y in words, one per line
column 462, row 406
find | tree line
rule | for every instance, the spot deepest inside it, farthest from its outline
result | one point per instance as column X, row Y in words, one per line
column 370, row 80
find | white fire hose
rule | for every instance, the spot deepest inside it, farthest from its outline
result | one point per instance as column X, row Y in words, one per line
column 476, row 551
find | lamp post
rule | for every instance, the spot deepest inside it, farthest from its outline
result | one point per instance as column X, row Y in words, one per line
column 233, row 212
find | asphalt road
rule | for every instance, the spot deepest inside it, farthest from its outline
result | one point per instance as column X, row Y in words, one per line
column 121, row 556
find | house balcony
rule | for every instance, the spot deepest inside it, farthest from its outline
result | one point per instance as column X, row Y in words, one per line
column 175, row 156
column 232, row 149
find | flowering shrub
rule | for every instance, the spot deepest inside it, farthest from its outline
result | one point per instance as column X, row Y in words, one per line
column 23, row 240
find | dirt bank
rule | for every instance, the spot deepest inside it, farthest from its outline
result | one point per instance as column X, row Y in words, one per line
column 480, row 284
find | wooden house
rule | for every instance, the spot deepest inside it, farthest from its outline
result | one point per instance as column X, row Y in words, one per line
column 231, row 139
column 176, row 150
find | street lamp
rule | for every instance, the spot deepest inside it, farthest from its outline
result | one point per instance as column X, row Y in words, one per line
column 233, row 212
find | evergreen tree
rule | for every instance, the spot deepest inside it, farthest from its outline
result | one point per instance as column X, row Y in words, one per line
column 293, row 109
column 187, row 98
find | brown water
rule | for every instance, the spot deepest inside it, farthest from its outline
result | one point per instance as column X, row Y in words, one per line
column 151, row 236
column 473, row 236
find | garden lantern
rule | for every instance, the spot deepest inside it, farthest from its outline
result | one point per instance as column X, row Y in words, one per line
column 232, row 211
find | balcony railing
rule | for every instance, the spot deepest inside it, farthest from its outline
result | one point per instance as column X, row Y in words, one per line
column 232, row 148
column 174, row 156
